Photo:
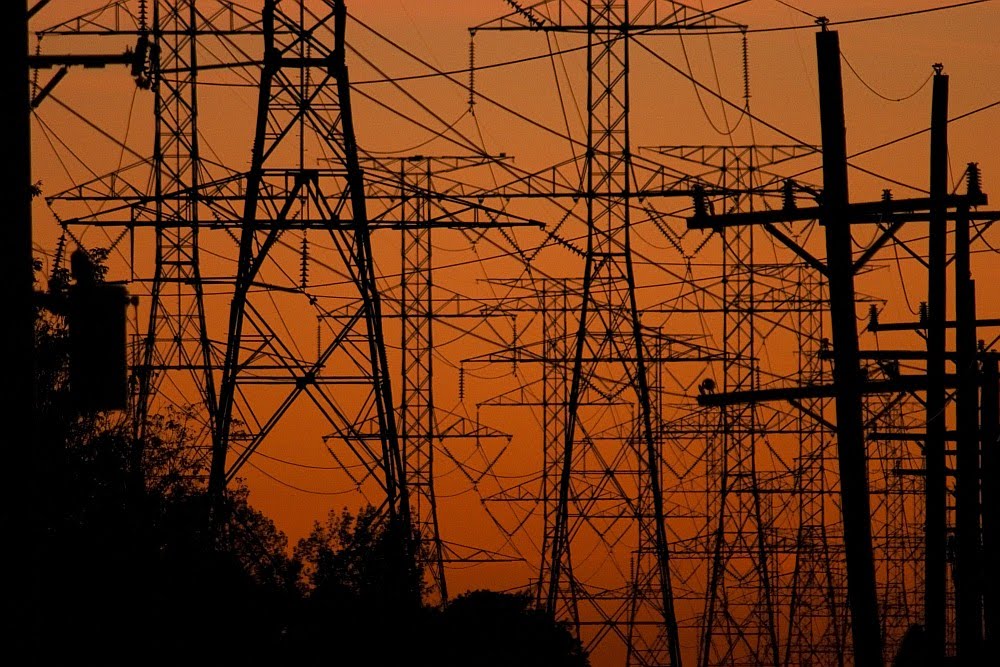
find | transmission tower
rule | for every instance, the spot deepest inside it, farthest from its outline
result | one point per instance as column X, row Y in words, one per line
column 427, row 193
column 609, row 353
column 298, row 65
column 176, row 359
column 305, row 88
column 745, row 597
column 177, row 333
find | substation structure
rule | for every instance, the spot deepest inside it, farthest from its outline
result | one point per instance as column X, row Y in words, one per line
column 693, row 496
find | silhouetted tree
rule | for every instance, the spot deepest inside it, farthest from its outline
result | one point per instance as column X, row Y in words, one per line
column 362, row 556
column 913, row 649
column 363, row 590
column 131, row 573
column 494, row 629
column 136, row 575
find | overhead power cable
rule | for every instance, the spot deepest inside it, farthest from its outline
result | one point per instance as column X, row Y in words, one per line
column 863, row 19
column 798, row 9
column 878, row 94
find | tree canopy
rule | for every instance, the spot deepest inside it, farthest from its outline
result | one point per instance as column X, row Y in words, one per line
column 136, row 574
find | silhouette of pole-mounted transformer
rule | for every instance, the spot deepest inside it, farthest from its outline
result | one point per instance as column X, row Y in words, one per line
column 98, row 373
column 95, row 313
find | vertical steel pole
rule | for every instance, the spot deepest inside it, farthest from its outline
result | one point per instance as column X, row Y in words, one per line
column 935, row 490
column 846, row 371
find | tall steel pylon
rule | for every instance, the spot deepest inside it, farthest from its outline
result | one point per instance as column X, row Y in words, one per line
column 177, row 334
column 305, row 159
column 609, row 353
column 305, row 91
column 817, row 619
column 294, row 55
column 427, row 194
column 176, row 359
column 543, row 342
column 741, row 621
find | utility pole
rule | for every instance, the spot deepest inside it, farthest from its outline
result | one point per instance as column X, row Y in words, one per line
column 890, row 215
column 835, row 215
column 16, row 277
column 969, row 614
column 846, row 370
column 991, row 499
column 838, row 216
column 935, row 540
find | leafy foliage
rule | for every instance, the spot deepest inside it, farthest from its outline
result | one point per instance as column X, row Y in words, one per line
column 361, row 557
column 495, row 629
column 349, row 568
column 361, row 585
column 129, row 560
column 135, row 574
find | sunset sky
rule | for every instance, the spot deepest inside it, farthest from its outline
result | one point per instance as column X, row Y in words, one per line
column 525, row 109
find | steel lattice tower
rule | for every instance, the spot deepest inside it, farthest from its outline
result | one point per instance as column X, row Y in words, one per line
column 177, row 334
column 741, row 621
column 304, row 87
column 410, row 187
column 610, row 355
column 418, row 421
column 259, row 367
column 817, row 632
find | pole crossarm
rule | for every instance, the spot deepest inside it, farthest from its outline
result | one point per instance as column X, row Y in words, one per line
column 912, row 210
column 48, row 61
column 912, row 383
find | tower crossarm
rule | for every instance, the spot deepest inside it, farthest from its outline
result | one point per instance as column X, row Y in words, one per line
column 571, row 16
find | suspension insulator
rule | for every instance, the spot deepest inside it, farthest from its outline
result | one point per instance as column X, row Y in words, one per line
column 973, row 180
column 304, row 267
column 788, row 195
column 700, row 205
column 872, row 318
column 472, row 72
column 57, row 257
column 923, row 313
column 746, row 71
column 513, row 324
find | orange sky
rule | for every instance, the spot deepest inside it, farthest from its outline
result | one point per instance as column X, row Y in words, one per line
column 893, row 57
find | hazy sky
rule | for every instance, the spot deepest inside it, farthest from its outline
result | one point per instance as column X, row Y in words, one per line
column 524, row 109
column 889, row 58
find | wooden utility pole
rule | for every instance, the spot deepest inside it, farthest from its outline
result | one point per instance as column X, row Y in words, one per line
column 990, row 433
column 838, row 216
column 969, row 591
column 935, row 543
column 861, row 596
